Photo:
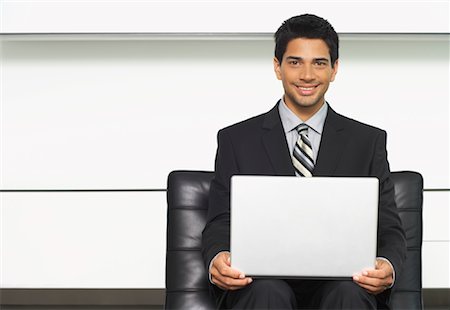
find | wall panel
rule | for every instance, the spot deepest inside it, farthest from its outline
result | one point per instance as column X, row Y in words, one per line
column 436, row 216
column 435, row 264
column 115, row 240
column 82, row 239
column 123, row 114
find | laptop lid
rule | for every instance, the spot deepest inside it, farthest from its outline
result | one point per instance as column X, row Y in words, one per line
column 323, row 227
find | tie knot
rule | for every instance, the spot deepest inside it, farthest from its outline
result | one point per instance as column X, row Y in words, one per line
column 302, row 129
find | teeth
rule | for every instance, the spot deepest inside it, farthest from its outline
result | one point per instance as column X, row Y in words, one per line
column 306, row 88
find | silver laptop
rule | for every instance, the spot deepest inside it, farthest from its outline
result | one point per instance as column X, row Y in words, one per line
column 303, row 227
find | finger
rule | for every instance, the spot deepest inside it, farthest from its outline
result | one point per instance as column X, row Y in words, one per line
column 376, row 273
column 385, row 277
column 229, row 272
column 230, row 283
column 375, row 282
column 224, row 269
column 225, row 272
column 368, row 285
column 227, row 277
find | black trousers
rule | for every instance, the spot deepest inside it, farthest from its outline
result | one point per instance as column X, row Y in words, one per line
column 302, row 294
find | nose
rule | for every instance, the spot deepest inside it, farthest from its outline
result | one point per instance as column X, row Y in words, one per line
column 307, row 73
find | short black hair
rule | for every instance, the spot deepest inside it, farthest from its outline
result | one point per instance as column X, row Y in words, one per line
column 306, row 26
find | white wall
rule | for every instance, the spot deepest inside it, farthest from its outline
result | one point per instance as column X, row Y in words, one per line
column 83, row 239
column 213, row 16
column 113, row 112
column 97, row 114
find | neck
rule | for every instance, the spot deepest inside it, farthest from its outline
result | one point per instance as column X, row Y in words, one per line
column 304, row 113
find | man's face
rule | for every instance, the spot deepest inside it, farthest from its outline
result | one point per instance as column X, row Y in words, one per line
column 306, row 73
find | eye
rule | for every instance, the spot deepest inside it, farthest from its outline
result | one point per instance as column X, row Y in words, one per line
column 293, row 62
column 320, row 63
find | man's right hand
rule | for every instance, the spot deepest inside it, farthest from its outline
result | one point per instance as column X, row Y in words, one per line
column 224, row 276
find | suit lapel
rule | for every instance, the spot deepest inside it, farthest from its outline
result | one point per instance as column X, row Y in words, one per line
column 274, row 141
column 332, row 144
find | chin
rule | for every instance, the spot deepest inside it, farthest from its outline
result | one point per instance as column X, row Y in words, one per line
column 306, row 105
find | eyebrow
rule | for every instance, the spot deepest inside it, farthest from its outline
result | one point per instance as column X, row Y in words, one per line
column 300, row 58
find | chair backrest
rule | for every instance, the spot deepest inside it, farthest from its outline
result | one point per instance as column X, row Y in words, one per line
column 409, row 197
column 187, row 284
column 187, row 205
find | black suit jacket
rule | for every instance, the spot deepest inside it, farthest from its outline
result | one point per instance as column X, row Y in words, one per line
column 258, row 146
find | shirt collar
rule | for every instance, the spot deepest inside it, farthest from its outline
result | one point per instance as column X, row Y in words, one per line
column 290, row 121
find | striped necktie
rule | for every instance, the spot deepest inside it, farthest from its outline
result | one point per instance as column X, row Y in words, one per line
column 302, row 158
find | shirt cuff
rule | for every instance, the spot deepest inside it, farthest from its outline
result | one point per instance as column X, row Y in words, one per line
column 210, row 265
column 393, row 270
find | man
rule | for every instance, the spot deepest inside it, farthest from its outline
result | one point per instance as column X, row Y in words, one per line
column 306, row 61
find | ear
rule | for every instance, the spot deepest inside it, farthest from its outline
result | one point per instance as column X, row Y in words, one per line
column 335, row 70
column 277, row 68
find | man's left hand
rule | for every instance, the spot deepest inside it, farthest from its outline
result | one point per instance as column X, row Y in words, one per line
column 375, row 281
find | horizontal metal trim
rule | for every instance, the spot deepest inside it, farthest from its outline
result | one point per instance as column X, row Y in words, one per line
column 211, row 33
column 140, row 190
column 210, row 36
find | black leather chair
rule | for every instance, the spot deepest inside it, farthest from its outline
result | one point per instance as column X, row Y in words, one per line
column 186, row 277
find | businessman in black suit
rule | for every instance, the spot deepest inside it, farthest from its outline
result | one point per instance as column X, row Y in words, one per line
column 306, row 61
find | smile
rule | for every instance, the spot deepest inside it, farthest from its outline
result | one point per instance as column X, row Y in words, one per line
column 306, row 90
column 309, row 87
